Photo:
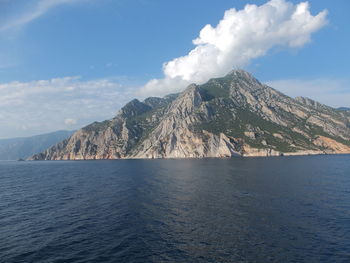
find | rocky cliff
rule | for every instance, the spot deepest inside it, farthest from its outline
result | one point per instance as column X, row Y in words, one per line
column 233, row 115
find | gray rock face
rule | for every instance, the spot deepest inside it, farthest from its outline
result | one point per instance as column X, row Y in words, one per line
column 229, row 116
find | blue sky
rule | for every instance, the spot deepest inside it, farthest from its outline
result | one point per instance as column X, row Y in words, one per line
column 65, row 63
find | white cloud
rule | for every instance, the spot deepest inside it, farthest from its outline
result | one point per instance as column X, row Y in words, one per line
column 62, row 103
column 332, row 92
column 35, row 10
column 238, row 38
column 70, row 121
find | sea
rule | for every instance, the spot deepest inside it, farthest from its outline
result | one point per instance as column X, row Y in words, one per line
column 274, row 209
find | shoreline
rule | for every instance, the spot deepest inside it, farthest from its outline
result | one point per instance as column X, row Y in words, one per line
column 291, row 154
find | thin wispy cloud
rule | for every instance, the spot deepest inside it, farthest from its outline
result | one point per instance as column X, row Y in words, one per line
column 29, row 108
column 31, row 12
column 332, row 92
column 240, row 37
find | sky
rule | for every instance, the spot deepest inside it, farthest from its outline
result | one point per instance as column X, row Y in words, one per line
column 67, row 63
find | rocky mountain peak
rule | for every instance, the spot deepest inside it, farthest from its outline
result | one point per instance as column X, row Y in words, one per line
column 155, row 102
column 187, row 101
column 134, row 108
column 228, row 116
column 241, row 75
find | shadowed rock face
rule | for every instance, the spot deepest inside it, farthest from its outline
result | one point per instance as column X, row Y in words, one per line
column 233, row 115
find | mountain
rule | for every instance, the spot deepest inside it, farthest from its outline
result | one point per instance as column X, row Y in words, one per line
column 21, row 148
column 344, row 109
column 229, row 116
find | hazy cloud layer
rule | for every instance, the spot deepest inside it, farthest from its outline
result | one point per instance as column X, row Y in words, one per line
column 28, row 108
column 332, row 92
column 240, row 36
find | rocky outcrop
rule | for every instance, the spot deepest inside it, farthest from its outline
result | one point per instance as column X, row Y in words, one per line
column 231, row 116
column 331, row 145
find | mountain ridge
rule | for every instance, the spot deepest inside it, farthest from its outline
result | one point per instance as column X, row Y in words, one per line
column 23, row 147
column 228, row 116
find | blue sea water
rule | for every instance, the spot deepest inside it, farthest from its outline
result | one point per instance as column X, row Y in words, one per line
column 283, row 209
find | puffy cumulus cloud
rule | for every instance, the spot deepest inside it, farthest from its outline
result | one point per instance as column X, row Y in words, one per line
column 240, row 36
column 29, row 108
column 332, row 92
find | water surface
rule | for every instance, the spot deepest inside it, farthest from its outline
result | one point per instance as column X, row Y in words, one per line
column 283, row 209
